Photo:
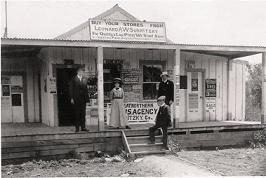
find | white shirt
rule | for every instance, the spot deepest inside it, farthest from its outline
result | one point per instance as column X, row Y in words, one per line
column 80, row 77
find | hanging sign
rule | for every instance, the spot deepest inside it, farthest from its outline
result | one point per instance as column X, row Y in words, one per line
column 115, row 30
column 210, row 87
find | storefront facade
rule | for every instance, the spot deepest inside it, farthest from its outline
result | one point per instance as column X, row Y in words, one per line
column 209, row 84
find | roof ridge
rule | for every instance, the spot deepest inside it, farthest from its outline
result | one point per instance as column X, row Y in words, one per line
column 116, row 8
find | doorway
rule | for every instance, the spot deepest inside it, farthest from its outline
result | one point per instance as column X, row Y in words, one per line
column 65, row 108
column 195, row 96
column 12, row 99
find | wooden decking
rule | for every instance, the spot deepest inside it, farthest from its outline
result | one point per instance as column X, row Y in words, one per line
column 38, row 128
column 25, row 141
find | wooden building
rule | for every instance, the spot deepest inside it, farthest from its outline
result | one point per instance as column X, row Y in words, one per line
column 209, row 83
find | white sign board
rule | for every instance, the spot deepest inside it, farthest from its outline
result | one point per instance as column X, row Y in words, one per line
column 127, row 31
column 138, row 113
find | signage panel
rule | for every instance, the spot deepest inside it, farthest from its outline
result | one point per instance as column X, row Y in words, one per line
column 127, row 31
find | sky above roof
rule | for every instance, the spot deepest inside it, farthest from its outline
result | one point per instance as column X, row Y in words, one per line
column 215, row 22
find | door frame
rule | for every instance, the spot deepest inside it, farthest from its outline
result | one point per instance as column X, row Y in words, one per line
column 25, row 97
column 203, row 93
column 55, row 96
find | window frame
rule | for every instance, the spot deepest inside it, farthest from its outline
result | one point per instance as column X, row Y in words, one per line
column 150, row 62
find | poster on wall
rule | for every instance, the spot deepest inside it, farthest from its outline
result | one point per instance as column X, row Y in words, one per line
column 210, row 104
column 130, row 76
column 52, row 81
column 5, row 90
column 210, row 87
column 193, row 102
column 5, row 80
column 5, row 102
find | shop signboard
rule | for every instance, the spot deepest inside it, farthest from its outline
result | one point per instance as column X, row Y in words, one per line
column 138, row 113
column 115, row 30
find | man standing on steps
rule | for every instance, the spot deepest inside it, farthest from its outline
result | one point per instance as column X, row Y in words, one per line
column 79, row 96
column 166, row 88
column 163, row 121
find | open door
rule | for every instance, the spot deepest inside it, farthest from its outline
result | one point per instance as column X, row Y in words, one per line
column 65, row 108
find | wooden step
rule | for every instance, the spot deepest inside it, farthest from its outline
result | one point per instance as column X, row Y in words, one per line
column 146, row 147
column 150, row 152
column 144, row 132
column 143, row 139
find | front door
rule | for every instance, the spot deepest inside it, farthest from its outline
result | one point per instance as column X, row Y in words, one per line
column 12, row 102
column 194, row 96
column 65, row 108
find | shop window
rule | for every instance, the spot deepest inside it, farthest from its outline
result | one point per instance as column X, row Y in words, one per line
column 112, row 69
column 151, row 80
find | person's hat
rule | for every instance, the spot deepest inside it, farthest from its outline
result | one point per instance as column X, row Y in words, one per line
column 161, row 98
column 164, row 73
column 80, row 68
column 119, row 80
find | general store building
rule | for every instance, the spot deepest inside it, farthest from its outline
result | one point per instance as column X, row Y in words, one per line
column 209, row 82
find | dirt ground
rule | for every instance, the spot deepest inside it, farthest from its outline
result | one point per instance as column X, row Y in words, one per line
column 148, row 166
column 229, row 162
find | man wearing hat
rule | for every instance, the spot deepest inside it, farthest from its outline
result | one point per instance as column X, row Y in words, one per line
column 166, row 88
column 79, row 96
column 163, row 121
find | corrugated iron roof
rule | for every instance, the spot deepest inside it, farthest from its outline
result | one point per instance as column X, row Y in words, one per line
column 132, row 42
column 104, row 41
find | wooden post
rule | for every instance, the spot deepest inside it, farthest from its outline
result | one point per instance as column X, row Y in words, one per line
column 100, row 88
column 176, row 81
column 263, row 101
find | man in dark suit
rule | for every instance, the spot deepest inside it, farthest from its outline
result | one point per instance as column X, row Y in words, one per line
column 163, row 121
column 79, row 95
column 166, row 88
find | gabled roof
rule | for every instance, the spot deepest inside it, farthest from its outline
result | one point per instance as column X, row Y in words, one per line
column 115, row 9
column 82, row 32
column 115, row 13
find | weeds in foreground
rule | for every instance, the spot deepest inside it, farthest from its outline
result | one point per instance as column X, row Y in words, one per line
column 259, row 139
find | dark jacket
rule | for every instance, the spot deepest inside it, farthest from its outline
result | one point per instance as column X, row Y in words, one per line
column 166, row 89
column 163, row 117
column 78, row 90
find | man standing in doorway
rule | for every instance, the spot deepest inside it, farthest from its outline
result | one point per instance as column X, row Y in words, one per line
column 166, row 88
column 79, row 95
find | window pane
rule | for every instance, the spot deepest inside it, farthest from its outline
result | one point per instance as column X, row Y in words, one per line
column 151, row 73
column 149, row 91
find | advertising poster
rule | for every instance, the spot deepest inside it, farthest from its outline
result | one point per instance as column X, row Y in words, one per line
column 210, row 87
column 5, row 90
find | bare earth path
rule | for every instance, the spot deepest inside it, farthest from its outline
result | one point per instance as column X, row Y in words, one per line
column 155, row 166
column 171, row 166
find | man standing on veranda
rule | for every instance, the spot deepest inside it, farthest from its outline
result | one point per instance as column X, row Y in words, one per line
column 79, row 96
column 166, row 88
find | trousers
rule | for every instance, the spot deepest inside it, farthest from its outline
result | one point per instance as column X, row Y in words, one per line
column 154, row 128
column 80, row 110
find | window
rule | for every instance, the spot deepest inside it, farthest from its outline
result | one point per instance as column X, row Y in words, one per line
column 112, row 69
column 151, row 80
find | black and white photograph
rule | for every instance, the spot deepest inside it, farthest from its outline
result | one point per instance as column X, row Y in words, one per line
column 133, row 88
